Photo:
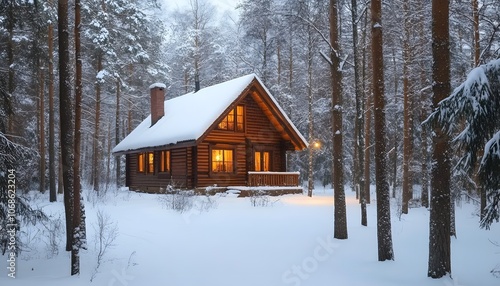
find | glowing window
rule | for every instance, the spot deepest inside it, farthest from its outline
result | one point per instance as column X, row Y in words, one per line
column 235, row 120
column 151, row 162
column 222, row 161
column 262, row 161
column 165, row 161
column 240, row 118
column 140, row 163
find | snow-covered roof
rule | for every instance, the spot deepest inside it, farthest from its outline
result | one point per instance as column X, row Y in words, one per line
column 187, row 117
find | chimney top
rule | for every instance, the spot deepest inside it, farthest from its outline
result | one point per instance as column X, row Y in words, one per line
column 157, row 91
column 158, row 85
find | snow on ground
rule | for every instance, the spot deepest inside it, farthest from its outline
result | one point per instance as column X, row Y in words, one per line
column 287, row 242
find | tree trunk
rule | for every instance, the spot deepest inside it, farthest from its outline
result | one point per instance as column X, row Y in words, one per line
column 10, row 64
column 475, row 21
column 95, row 142
column 396, row 126
column 66, row 119
column 75, row 250
column 60, row 181
column 439, row 234
column 483, row 201
column 117, row 132
column 408, row 112
column 340, row 218
column 109, row 156
column 424, row 196
column 368, row 116
column 52, row 147
column 359, row 122
column 310, row 173
column 384, row 236
column 453, row 229
column 42, row 129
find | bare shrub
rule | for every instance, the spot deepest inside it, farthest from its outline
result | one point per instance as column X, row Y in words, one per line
column 55, row 230
column 260, row 199
column 177, row 200
column 106, row 232
column 207, row 203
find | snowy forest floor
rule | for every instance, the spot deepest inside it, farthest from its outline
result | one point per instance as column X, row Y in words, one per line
column 229, row 241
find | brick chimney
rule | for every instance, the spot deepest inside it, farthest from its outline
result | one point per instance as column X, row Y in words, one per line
column 157, row 91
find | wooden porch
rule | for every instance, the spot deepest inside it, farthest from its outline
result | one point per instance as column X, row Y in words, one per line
column 273, row 179
column 261, row 183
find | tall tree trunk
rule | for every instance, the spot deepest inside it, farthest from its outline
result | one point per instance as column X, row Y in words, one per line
column 75, row 250
column 396, row 125
column 42, row 128
column 475, row 20
column 66, row 119
column 477, row 54
column 340, row 218
column 424, row 196
column 384, row 236
column 10, row 64
column 368, row 129
column 439, row 225
column 310, row 173
column 408, row 112
column 359, row 122
column 60, row 181
column 109, row 156
column 52, row 147
column 117, row 132
column 453, row 229
column 95, row 142
column 368, row 115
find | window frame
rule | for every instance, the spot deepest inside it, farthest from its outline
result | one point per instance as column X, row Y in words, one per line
column 150, row 165
column 262, row 161
column 222, row 148
column 164, row 164
column 237, row 122
column 141, row 163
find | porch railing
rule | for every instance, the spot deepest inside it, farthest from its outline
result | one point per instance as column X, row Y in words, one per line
column 278, row 179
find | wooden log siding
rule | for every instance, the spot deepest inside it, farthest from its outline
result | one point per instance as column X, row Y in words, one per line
column 280, row 179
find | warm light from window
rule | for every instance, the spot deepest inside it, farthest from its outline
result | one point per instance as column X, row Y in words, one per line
column 222, row 160
column 164, row 161
column 234, row 121
column 140, row 163
column 151, row 166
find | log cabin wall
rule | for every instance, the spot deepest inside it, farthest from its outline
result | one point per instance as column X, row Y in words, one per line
column 259, row 134
column 180, row 175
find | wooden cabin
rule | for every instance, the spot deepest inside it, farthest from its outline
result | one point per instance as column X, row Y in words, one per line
column 230, row 134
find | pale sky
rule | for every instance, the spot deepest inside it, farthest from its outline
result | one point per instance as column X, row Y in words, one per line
column 222, row 5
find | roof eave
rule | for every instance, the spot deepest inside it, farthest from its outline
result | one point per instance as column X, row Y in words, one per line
column 181, row 144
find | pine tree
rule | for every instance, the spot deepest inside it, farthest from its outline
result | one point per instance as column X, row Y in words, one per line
column 477, row 101
column 13, row 155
